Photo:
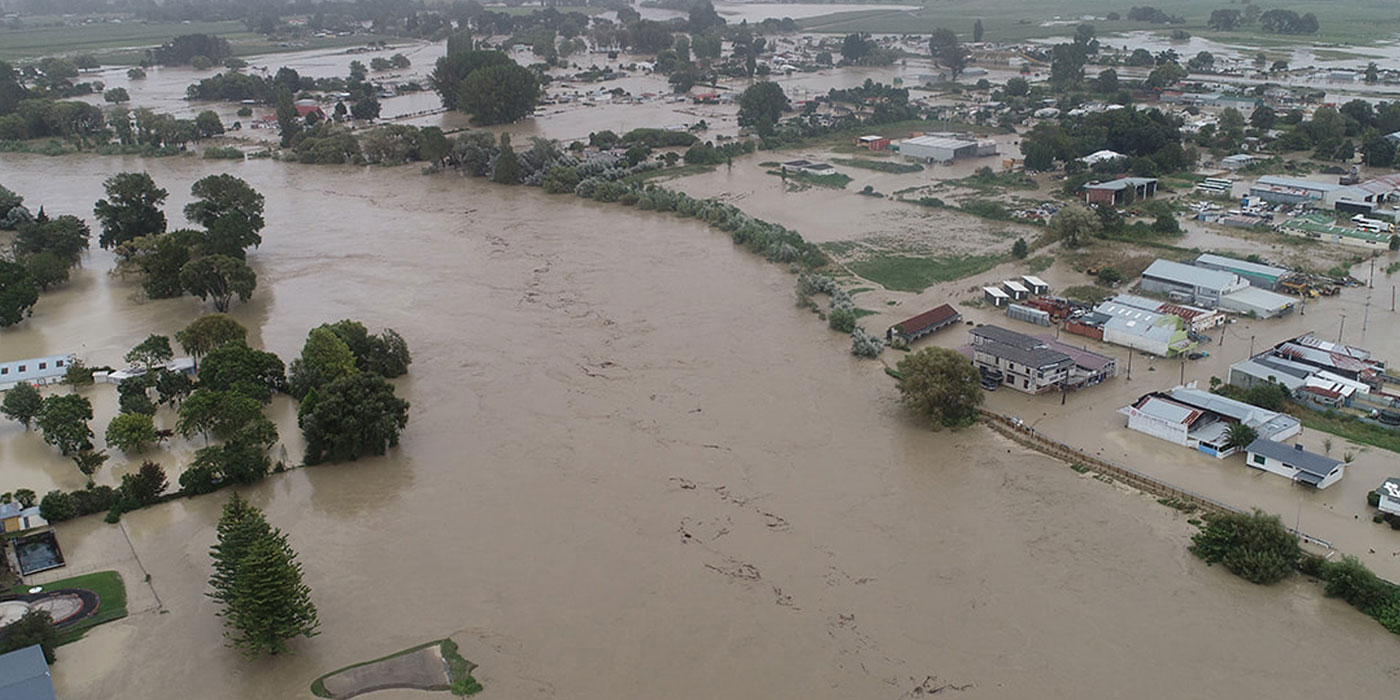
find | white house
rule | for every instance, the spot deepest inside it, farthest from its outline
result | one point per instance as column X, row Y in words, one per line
column 1390, row 496
column 1294, row 463
column 37, row 371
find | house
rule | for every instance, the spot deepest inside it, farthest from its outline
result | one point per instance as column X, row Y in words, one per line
column 1192, row 284
column 310, row 111
column 24, row 675
column 183, row 365
column 1390, row 496
column 809, row 167
column 1090, row 367
column 1120, row 191
column 1295, row 463
column 930, row 321
column 16, row 518
column 1015, row 290
column 1160, row 334
column 1027, row 363
column 995, row 297
column 37, row 371
column 873, row 143
column 1257, row 274
column 1201, row 420
column 1037, row 286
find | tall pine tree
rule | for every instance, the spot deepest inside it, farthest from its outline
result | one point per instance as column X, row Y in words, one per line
column 258, row 581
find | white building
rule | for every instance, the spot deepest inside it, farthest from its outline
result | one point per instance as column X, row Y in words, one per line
column 943, row 148
column 1390, row 496
column 37, row 371
column 184, row 365
column 1294, row 463
column 1257, row 303
column 1149, row 331
column 1196, row 285
column 1201, row 420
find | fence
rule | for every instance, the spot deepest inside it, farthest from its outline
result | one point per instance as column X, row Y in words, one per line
column 1017, row 430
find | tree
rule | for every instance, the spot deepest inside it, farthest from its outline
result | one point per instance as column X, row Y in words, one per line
column 1067, row 64
column 1263, row 117
column 1256, row 547
column 172, row 387
column 1107, row 82
column 131, row 209
column 762, row 105
column 288, row 120
column 236, row 367
column 219, row 196
column 942, row 385
column 1166, row 223
column 366, row 109
column 1224, row 20
column 26, row 498
column 507, row 170
column 1074, row 223
column 1373, row 73
column 1020, row 249
column 22, row 403
column 208, row 332
column 1202, row 62
column 977, row 31
column 224, row 414
column 88, row 462
column 1394, row 242
column 154, row 350
column 1239, row 436
column 34, row 627
column 218, row 277
column 855, row 47
column 57, row 506
column 1017, row 87
column 499, row 94
column 1378, row 151
column 325, row 357
column 131, row 432
column 65, row 237
column 64, row 420
column 703, row 17
column 350, row 416
column 133, row 396
column 1165, row 75
column 258, row 583
column 385, row 354
column 18, row 293
column 450, row 70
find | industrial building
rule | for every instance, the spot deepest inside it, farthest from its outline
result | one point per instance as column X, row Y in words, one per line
column 1160, row 334
column 1258, row 303
column 1120, row 191
column 1258, row 275
column 1201, row 420
column 942, row 148
column 1295, row 463
column 1197, row 319
column 1288, row 190
column 1191, row 284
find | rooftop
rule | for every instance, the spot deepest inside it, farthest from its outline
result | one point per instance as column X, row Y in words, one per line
column 1121, row 183
column 1267, row 423
column 24, row 675
column 998, row 334
column 938, row 142
column 1087, row 359
column 1169, row 411
column 1192, row 275
column 1261, row 298
column 1295, row 457
column 1241, row 265
column 1390, row 488
column 1040, row 357
column 1032, row 279
column 1295, row 183
column 932, row 317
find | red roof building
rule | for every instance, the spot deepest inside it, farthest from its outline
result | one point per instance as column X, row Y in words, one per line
column 927, row 322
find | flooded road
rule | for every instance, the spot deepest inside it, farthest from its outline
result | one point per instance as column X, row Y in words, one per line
column 633, row 469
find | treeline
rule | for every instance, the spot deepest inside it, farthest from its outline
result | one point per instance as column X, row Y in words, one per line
column 43, row 253
column 1150, row 138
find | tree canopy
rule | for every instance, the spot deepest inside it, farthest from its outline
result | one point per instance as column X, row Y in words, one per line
column 325, row 357
column 18, row 293
column 22, row 403
column 942, row 385
column 218, row 278
column 208, row 332
column 257, row 581
column 1255, row 546
column 63, row 420
column 762, row 105
column 131, row 209
column 350, row 416
column 499, row 94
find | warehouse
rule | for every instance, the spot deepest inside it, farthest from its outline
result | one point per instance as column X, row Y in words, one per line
column 1195, row 285
column 1197, row 319
column 1261, row 276
column 1159, row 334
column 1287, row 190
column 941, row 149
column 1120, row 191
column 1257, row 303
column 1201, row 420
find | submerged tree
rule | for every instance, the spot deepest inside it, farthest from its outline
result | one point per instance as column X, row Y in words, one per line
column 64, row 422
column 22, row 403
column 219, row 278
column 258, row 582
column 131, row 209
column 350, row 416
column 942, row 385
column 208, row 332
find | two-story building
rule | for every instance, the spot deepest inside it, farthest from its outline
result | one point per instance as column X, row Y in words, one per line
column 1027, row 363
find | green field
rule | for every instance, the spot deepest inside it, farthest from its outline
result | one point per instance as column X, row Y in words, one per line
column 905, row 274
column 125, row 43
column 1346, row 23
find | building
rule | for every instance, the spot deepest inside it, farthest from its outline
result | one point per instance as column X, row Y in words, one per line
column 873, row 143
column 1191, row 284
column 310, row 111
column 1237, row 161
column 930, row 321
column 1160, row 334
column 1027, row 363
column 1090, row 367
column 16, row 518
column 1037, row 286
column 24, row 675
column 1197, row 319
column 1265, row 368
column 1390, row 496
column 995, row 297
column 183, row 365
column 1288, row 190
column 1342, row 360
column 1201, row 420
column 807, row 166
column 1120, row 191
column 1258, row 275
column 1016, row 290
column 1029, row 314
column 1258, row 303
column 1294, row 463
column 1100, row 157
column 1216, row 186
column 37, row 371
column 941, row 149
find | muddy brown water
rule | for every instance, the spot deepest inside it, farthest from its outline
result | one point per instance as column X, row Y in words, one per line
column 633, row 469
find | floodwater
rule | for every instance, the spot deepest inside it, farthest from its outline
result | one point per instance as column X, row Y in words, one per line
column 634, row 469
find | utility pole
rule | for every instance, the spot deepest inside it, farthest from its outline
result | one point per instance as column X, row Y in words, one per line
column 1183, row 370
column 1341, row 326
column 1251, row 346
column 1130, row 365
column 1371, row 283
column 1365, row 317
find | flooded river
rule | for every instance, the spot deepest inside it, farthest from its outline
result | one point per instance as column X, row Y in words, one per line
column 633, row 469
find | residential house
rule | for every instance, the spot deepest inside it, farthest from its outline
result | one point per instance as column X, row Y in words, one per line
column 1390, row 496
column 1295, row 463
column 16, row 518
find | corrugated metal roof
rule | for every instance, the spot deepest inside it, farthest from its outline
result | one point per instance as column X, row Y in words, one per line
column 1260, row 299
column 1192, row 275
column 24, row 675
column 1169, row 411
column 1295, row 183
column 1006, row 336
column 1245, row 265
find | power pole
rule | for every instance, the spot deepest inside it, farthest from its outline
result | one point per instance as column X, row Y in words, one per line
column 1341, row 326
column 1130, row 364
column 1251, row 346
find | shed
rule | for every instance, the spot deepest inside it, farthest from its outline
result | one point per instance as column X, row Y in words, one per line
column 24, row 675
column 1036, row 285
column 995, row 296
column 873, row 142
column 937, row 148
column 1120, row 191
column 1390, row 496
column 1015, row 289
column 1028, row 314
column 934, row 319
column 1294, row 462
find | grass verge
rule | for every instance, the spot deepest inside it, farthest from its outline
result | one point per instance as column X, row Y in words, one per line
column 836, row 181
column 670, row 173
column 1353, row 429
column 459, row 670
column 905, row 274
